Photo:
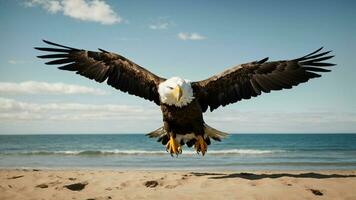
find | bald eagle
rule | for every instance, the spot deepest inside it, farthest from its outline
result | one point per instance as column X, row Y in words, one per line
column 183, row 102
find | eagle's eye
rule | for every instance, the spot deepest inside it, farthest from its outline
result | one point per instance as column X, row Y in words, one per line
column 170, row 87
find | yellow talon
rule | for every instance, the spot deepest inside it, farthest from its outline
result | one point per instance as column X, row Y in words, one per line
column 173, row 147
column 200, row 145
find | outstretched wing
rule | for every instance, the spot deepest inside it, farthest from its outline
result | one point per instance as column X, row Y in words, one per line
column 251, row 79
column 120, row 72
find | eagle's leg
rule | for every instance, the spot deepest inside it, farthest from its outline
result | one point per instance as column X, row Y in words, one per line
column 200, row 145
column 173, row 147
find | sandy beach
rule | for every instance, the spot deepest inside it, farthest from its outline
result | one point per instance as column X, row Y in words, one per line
column 112, row 184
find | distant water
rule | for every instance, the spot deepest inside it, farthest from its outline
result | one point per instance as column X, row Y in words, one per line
column 136, row 151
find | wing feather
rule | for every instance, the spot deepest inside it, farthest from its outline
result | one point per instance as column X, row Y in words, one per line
column 118, row 71
column 252, row 79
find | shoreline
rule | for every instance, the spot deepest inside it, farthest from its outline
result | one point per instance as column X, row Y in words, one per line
column 100, row 184
column 29, row 169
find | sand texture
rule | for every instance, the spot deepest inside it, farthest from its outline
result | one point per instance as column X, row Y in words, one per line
column 112, row 184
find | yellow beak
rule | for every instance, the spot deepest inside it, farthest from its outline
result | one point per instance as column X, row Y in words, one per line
column 177, row 92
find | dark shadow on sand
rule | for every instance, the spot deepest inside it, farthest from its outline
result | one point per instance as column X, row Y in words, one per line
column 252, row 176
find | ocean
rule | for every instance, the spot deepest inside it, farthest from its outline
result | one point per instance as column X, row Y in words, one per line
column 136, row 151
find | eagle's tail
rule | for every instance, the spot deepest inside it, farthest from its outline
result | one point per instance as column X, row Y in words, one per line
column 210, row 132
column 213, row 133
column 161, row 133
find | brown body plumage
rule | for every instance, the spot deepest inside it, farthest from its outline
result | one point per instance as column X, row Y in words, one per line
column 182, row 121
column 186, row 122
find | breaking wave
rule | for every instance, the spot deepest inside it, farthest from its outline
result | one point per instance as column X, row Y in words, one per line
column 142, row 152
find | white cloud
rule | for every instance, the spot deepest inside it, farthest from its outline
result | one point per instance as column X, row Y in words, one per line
column 85, row 10
column 161, row 23
column 52, row 6
column 17, row 62
column 159, row 26
column 14, row 110
column 191, row 36
column 34, row 87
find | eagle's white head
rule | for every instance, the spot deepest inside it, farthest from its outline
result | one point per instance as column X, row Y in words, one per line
column 175, row 91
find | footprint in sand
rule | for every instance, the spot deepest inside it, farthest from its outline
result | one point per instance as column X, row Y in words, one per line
column 100, row 198
column 151, row 184
column 16, row 177
column 43, row 185
column 316, row 192
column 76, row 186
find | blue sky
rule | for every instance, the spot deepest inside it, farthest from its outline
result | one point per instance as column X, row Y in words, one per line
column 190, row 39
